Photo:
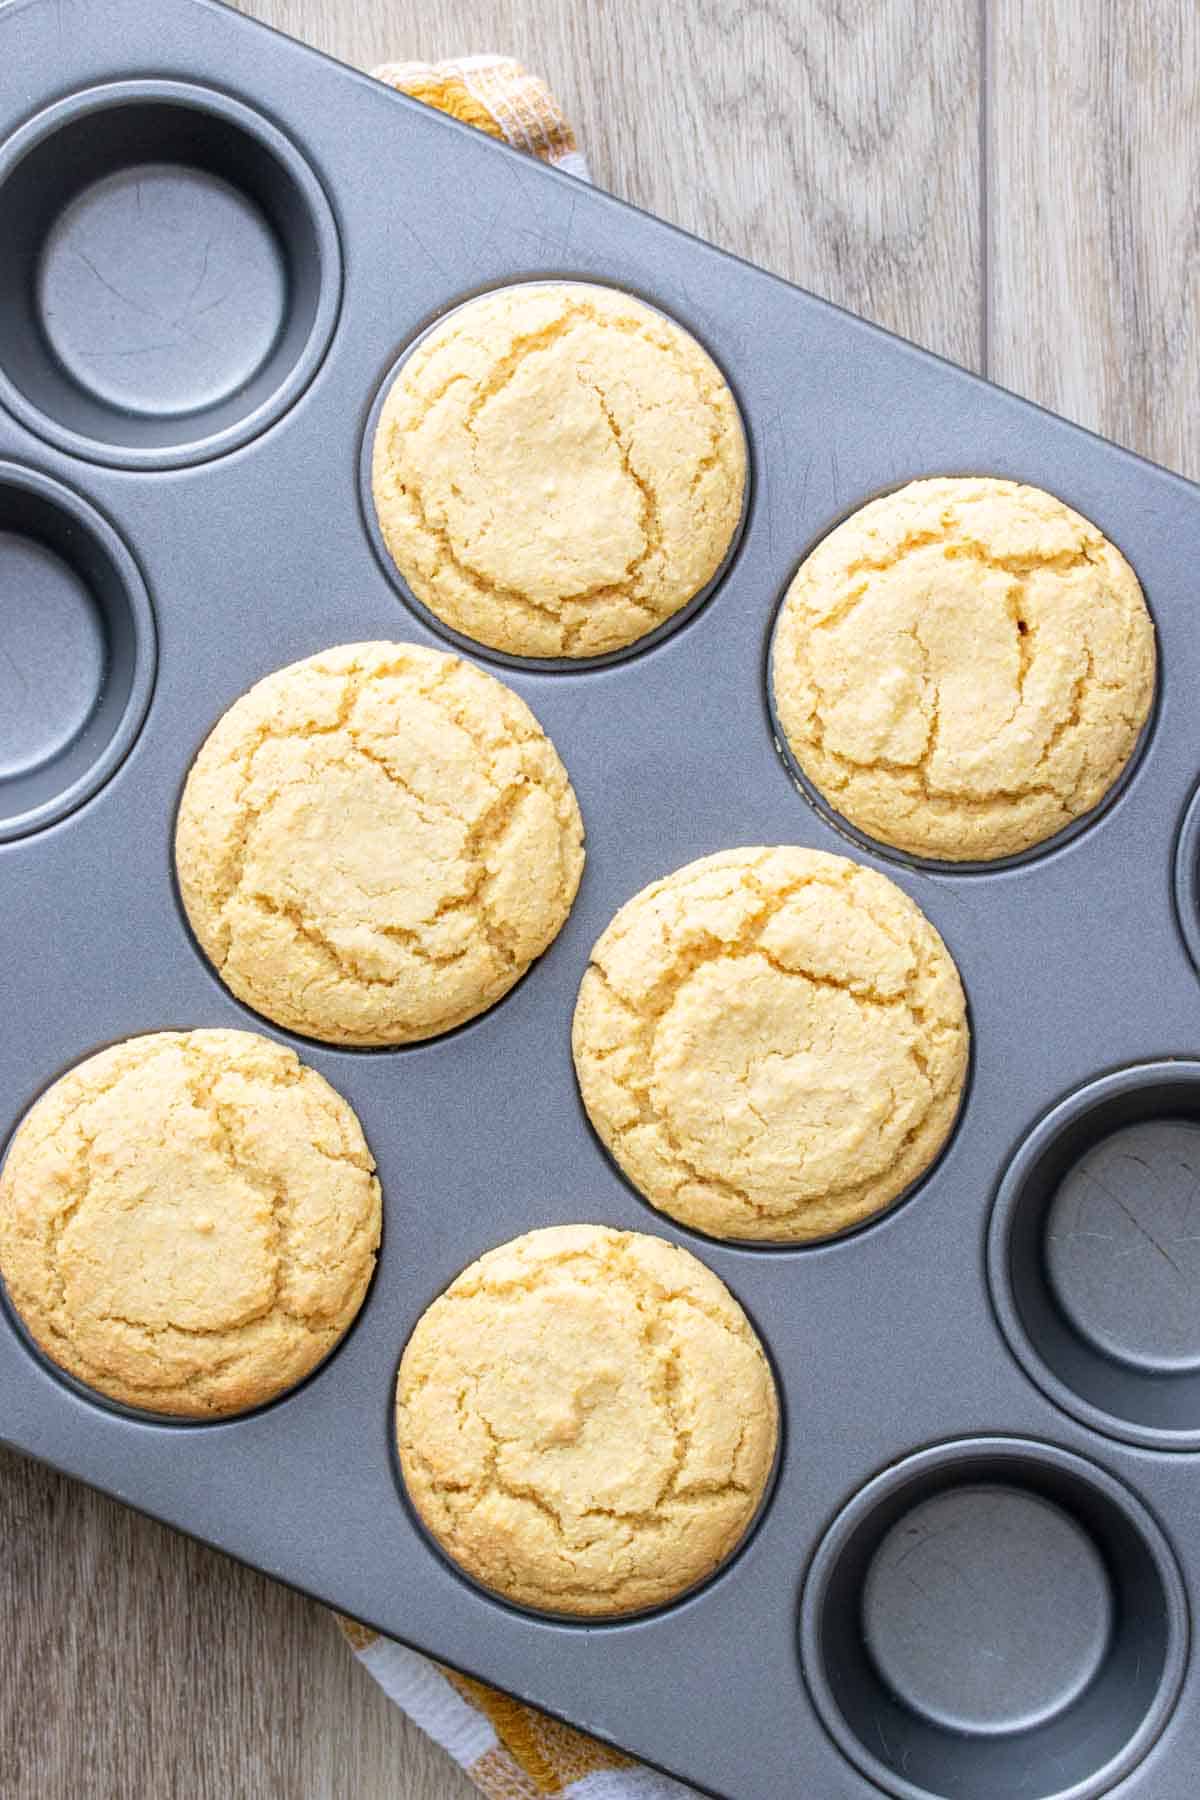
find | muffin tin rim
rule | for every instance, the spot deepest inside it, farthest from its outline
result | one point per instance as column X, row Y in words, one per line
column 1186, row 877
column 95, row 526
column 1069, row 1109
column 1018, row 1448
column 253, row 121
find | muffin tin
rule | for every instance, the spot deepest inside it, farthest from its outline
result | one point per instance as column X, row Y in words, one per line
column 975, row 1572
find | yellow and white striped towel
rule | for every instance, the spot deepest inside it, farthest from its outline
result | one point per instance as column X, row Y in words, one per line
column 510, row 1751
column 498, row 96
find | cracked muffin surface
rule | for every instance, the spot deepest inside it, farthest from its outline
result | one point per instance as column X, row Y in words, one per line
column 771, row 1042
column 586, row 1420
column 374, row 844
column 558, row 469
column 963, row 668
column 189, row 1221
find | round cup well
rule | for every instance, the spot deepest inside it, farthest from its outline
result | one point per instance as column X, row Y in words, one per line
column 995, row 1618
column 1094, row 1254
column 171, row 274
column 77, row 651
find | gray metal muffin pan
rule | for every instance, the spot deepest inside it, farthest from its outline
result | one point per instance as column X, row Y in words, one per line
column 975, row 1572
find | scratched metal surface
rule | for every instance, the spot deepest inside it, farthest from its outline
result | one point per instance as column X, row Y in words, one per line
column 884, row 1342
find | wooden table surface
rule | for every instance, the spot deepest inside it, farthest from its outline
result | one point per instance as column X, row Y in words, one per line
column 1011, row 182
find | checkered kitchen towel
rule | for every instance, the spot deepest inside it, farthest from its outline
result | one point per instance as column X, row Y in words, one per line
column 509, row 1751
column 498, row 96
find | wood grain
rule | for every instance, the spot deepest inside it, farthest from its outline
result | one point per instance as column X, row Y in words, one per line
column 1094, row 222
column 834, row 141
column 838, row 142
column 138, row 1665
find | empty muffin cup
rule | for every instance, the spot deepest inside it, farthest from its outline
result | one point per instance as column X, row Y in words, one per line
column 171, row 275
column 78, row 641
column 1094, row 1254
column 994, row 1617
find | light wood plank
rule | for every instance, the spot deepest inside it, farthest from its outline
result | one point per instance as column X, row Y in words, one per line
column 836, row 142
column 1095, row 216
column 138, row 1664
